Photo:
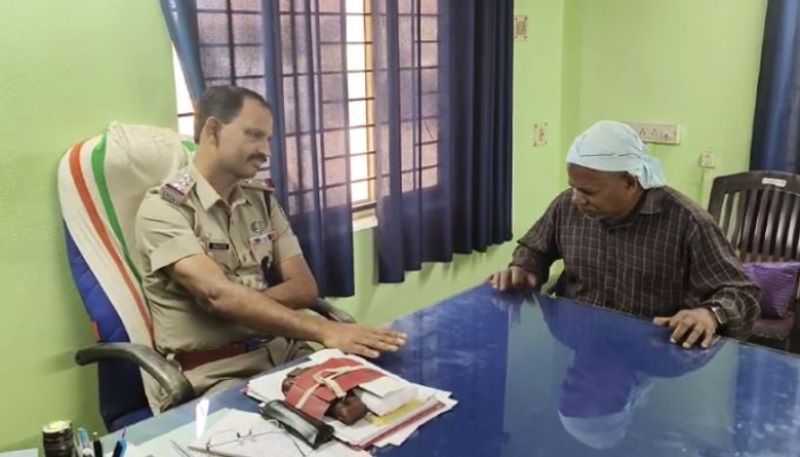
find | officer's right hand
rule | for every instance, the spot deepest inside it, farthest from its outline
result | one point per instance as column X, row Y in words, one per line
column 513, row 277
column 361, row 339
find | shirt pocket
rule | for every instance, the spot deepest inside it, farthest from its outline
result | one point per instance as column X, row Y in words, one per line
column 261, row 249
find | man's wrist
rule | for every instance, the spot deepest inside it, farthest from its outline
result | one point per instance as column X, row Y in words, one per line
column 526, row 268
column 319, row 326
column 718, row 314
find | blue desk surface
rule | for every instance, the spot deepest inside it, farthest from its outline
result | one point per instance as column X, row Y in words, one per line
column 536, row 376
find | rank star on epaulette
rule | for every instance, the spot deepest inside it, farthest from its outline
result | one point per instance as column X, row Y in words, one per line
column 176, row 190
column 172, row 193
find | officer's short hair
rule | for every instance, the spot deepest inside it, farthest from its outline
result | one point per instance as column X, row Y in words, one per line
column 224, row 103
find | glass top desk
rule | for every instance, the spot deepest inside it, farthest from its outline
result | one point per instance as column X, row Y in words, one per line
column 538, row 376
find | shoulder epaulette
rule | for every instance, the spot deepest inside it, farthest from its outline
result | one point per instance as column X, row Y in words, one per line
column 178, row 188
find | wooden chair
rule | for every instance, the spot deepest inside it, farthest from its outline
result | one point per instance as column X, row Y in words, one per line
column 759, row 213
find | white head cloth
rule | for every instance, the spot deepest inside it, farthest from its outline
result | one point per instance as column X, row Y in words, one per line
column 614, row 146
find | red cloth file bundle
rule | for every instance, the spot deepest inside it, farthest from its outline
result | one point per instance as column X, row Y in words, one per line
column 328, row 388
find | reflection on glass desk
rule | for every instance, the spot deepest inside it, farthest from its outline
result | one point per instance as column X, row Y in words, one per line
column 538, row 376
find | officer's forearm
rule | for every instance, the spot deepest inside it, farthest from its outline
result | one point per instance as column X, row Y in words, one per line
column 257, row 311
column 294, row 293
column 217, row 295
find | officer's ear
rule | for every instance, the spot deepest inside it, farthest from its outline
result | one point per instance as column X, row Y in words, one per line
column 211, row 130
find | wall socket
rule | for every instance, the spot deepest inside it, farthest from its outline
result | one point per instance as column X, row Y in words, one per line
column 657, row 133
column 521, row 28
column 707, row 159
column 539, row 134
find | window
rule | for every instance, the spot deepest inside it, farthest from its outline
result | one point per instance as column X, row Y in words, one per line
column 419, row 77
column 360, row 103
column 183, row 100
column 360, row 131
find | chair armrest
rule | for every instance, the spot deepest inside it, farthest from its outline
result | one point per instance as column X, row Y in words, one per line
column 178, row 388
column 332, row 313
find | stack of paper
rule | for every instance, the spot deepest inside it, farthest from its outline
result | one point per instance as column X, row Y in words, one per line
column 391, row 424
column 384, row 395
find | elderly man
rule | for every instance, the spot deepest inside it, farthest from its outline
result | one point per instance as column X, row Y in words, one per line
column 633, row 244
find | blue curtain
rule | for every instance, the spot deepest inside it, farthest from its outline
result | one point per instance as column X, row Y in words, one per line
column 181, row 19
column 442, row 86
column 776, row 127
column 293, row 55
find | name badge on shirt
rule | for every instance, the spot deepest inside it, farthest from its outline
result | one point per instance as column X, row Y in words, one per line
column 218, row 246
column 221, row 252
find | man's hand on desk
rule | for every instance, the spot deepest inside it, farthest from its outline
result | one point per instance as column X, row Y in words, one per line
column 691, row 326
column 362, row 340
column 513, row 277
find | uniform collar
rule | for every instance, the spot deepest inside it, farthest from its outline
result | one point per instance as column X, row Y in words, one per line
column 208, row 195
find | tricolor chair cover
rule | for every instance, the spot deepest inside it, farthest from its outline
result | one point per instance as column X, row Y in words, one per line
column 101, row 182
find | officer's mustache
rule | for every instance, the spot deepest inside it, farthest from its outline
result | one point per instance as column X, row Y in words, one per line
column 258, row 156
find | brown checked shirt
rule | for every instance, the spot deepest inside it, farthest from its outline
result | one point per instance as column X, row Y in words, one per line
column 668, row 256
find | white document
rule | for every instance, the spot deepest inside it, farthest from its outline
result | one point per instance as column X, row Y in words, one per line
column 244, row 434
column 130, row 451
column 164, row 445
column 25, row 453
column 385, row 404
column 384, row 386
column 399, row 437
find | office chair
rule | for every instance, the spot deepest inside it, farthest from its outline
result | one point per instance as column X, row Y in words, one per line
column 759, row 211
column 101, row 182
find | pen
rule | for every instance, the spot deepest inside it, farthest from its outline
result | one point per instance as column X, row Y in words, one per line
column 98, row 446
column 122, row 444
column 84, row 444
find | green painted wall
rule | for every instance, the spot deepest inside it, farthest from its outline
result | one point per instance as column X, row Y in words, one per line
column 690, row 62
column 67, row 70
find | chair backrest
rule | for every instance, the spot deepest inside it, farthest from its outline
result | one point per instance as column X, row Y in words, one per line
column 759, row 212
column 101, row 183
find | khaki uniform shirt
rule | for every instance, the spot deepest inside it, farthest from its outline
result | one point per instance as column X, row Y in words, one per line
column 186, row 217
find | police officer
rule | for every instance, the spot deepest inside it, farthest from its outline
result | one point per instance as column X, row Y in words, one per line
column 204, row 240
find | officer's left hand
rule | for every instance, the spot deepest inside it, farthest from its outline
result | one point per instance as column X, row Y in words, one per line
column 361, row 340
column 690, row 326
